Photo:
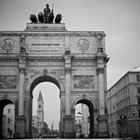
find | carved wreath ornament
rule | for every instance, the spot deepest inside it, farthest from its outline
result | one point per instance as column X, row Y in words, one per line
column 7, row 44
column 83, row 44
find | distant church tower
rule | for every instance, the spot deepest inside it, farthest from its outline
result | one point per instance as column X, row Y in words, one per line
column 40, row 108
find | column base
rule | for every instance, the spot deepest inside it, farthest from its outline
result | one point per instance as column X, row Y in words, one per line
column 102, row 126
column 68, row 127
column 20, row 127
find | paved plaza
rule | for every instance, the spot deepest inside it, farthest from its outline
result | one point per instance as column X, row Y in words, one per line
column 129, row 138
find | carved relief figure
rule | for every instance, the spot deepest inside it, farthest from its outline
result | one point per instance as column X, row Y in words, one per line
column 57, row 73
column 83, row 81
column 8, row 82
column 22, row 44
column 99, row 38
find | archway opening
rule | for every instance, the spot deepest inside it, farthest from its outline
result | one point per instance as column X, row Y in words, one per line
column 84, row 119
column 45, row 107
column 7, row 118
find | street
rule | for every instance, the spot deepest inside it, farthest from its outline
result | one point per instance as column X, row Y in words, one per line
column 129, row 138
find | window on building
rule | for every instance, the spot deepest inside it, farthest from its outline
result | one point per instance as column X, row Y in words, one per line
column 9, row 110
column 39, row 106
column 8, row 120
column 139, row 113
column 138, row 90
column 138, row 101
column 138, row 77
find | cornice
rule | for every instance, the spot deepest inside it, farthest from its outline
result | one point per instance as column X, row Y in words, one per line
column 83, row 58
column 54, row 33
column 45, row 58
column 32, row 58
column 8, row 59
column 10, row 33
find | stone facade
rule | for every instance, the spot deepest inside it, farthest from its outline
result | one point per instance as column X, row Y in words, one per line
column 123, row 106
column 75, row 61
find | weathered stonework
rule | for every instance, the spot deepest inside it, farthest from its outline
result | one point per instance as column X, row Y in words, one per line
column 75, row 61
column 83, row 81
column 8, row 82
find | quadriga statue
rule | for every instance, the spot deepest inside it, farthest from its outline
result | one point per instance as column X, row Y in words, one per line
column 33, row 18
column 41, row 17
column 58, row 18
column 50, row 17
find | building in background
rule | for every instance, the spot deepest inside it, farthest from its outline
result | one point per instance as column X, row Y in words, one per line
column 9, row 121
column 35, row 126
column 40, row 108
column 82, row 122
column 123, row 106
column 78, row 125
column 85, row 120
column 39, row 127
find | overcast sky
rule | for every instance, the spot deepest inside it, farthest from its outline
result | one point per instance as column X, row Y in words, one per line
column 120, row 19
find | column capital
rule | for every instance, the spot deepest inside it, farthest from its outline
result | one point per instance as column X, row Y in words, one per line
column 22, row 69
column 101, row 58
column 67, row 58
column 22, row 63
column 100, row 70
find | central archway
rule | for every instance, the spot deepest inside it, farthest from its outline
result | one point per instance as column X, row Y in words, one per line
column 37, row 81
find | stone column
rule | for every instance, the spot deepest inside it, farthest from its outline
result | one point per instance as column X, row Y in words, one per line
column 102, row 118
column 68, row 83
column 74, row 126
column 101, row 91
column 20, row 120
column 68, row 119
column 21, row 89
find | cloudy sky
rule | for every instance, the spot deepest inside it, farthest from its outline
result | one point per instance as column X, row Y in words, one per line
column 120, row 19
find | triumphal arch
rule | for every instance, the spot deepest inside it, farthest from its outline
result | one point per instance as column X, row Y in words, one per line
column 75, row 61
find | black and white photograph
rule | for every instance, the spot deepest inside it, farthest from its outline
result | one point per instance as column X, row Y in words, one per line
column 70, row 69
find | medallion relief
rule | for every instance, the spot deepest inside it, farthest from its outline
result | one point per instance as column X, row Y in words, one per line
column 83, row 44
column 8, row 82
column 83, row 81
column 7, row 45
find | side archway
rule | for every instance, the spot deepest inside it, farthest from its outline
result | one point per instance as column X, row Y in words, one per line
column 91, row 107
column 84, row 97
column 4, row 102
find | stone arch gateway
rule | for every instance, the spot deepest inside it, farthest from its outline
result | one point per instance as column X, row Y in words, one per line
column 73, row 60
